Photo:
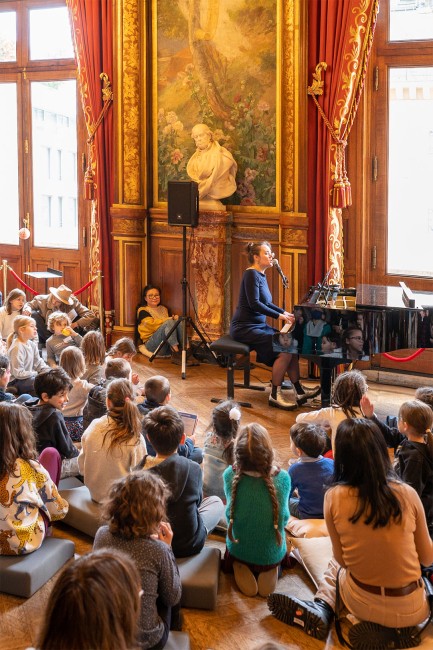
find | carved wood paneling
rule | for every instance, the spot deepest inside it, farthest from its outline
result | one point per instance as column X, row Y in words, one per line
column 129, row 256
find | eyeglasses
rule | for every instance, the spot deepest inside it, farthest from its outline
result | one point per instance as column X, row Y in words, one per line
column 152, row 295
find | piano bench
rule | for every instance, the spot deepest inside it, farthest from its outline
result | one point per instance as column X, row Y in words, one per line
column 230, row 349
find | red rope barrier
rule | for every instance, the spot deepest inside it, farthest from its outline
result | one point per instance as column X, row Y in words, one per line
column 404, row 359
column 77, row 293
column 35, row 293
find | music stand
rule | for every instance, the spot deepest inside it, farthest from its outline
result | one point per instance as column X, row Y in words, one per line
column 184, row 320
column 44, row 275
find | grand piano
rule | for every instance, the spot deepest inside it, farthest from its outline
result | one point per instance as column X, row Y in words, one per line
column 374, row 318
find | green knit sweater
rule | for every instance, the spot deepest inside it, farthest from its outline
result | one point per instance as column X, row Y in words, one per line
column 253, row 519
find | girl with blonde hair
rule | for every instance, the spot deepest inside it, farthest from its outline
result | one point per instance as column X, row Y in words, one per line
column 23, row 354
column 113, row 444
column 257, row 494
column 72, row 362
column 93, row 349
column 135, row 512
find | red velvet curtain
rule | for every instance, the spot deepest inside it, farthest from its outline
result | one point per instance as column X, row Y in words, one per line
column 92, row 24
column 340, row 34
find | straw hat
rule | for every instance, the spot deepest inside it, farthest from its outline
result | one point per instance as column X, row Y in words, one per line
column 62, row 293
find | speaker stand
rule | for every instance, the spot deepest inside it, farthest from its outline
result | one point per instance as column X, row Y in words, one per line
column 184, row 320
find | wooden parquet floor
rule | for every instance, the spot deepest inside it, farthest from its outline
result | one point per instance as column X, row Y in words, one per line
column 238, row 622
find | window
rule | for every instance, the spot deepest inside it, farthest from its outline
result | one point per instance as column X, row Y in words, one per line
column 401, row 233
column 38, row 123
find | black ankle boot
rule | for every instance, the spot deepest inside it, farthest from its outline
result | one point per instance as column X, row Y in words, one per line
column 314, row 617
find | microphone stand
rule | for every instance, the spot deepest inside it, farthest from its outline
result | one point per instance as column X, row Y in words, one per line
column 184, row 320
column 284, row 280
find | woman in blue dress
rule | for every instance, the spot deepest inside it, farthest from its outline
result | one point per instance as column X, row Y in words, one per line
column 249, row 326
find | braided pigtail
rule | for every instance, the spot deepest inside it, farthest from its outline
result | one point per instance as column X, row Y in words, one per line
column 275, row 506
column 235, row 484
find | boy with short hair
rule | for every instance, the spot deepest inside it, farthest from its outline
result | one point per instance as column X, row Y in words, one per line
column 311, row 473
column 52, row 388
column 192, row 517
column 96, row 405
column 157, row 393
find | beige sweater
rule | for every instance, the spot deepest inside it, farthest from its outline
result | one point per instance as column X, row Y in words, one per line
column 100, row 466
column 385, row 557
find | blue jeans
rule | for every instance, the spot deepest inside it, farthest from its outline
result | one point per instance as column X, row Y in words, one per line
column 160, row 334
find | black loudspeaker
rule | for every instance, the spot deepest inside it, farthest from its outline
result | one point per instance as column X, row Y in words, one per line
column 183, row 203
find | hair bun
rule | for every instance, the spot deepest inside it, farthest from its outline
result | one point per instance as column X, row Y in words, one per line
column 235, row 414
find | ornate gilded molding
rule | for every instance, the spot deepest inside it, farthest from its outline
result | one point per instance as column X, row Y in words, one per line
column 131, row 114
column 128, row 226
column 294, row 237
column 289, row 107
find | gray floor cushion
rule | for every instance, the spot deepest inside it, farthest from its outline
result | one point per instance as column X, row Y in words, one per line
column 83, row 513
column 177, row 641
column 199, row 575
column 22, row 575
column 70, row 482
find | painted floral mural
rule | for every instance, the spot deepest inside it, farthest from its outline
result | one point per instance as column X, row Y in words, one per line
column 216, row 64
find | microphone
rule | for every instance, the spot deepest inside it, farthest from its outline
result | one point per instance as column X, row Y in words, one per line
column 276, row 263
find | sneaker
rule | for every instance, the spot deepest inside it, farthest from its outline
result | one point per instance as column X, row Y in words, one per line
column 314, row 617
column 267, row 581
column 286, row 400
column 245, row 579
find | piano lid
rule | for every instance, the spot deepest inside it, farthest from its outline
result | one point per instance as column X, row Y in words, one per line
column 370, row 296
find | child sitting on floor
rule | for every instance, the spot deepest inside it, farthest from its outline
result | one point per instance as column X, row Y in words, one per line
column 52, row 388
column 23, row 355
column 96, row 405
column 125, row 348
column 135, row 512
column 218, row 446
column 157, row 392
column 95, row 603
column 257, row 494
column 113, row 444
column 349, row 387
column 93, row 349
column 192, row 518
column 13, row 307
column 5, row 375
column 29, row 497
column 311, row 474
column 413, row 446
column 63, row 335
column 72, row 362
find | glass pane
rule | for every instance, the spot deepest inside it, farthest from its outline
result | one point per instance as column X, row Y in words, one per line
column 411, row 20
column 410, row 197
column 8, row 36
column 54, row 22
column 54, row 148
column 9, row 164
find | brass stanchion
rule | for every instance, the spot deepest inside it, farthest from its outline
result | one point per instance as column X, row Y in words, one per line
column 5, row 282
column 101, row 304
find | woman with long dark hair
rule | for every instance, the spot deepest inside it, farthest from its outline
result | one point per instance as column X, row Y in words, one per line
column 379, row 539
column 249, row 326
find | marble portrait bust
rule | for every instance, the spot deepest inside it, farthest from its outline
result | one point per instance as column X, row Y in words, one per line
column 212, row 167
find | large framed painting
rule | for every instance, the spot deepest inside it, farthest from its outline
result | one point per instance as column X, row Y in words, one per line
column 218, row 62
